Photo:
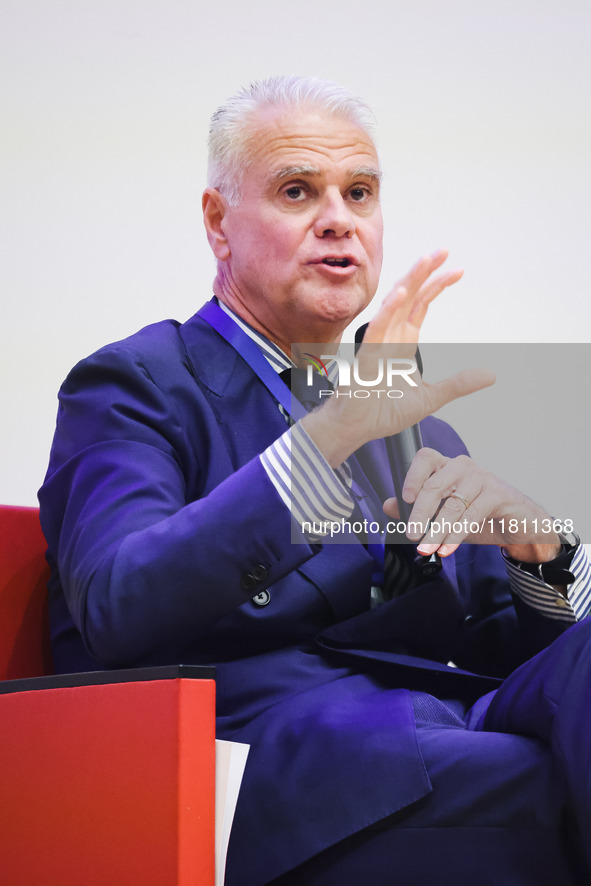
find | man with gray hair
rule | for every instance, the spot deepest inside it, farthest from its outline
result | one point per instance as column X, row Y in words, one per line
column 399, row 729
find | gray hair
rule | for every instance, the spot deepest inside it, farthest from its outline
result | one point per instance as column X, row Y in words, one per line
column 231, row 129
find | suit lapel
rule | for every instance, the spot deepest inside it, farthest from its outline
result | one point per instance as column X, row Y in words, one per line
column 212, row 361
column 247, row 414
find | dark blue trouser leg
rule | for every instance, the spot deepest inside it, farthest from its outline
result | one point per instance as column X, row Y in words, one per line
column 495, row 817
column 550, row 697
column 508, row 791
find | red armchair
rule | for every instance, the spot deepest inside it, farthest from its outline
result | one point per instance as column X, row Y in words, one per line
column 105, row 778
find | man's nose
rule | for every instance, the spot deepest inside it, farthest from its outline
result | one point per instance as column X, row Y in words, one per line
column 334, row 217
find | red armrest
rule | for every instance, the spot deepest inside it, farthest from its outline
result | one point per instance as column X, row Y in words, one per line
column 109, row 784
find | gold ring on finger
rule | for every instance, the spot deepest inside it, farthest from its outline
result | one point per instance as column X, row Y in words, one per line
column 460, row 498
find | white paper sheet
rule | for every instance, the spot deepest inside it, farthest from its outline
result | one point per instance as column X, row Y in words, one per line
column 230, row 761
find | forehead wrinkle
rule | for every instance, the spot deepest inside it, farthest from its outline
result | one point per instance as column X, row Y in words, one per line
column 310, row 147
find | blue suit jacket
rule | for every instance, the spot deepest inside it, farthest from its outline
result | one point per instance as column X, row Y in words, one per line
column 156, row 507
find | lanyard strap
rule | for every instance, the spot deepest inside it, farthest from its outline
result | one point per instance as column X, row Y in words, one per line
column 251, row 354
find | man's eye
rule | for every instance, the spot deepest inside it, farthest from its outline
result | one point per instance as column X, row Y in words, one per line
column 295, row 192
column 358, row 195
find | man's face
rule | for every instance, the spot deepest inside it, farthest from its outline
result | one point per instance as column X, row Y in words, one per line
column 305, row 241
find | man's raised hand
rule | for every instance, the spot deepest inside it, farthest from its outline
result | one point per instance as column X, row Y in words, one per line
column 363, row 412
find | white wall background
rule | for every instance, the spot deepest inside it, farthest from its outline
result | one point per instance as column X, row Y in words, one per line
column 484, row 133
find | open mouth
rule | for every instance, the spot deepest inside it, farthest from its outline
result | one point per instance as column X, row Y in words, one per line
column 336, row 262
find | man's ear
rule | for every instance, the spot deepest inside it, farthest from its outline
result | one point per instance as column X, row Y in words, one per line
column 214, row 210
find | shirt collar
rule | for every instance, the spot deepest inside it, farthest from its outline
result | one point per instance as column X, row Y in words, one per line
column 272, row 352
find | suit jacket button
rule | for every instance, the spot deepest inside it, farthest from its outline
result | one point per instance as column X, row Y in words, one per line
column 248, row 581
column 259, row 573
column 262, row 599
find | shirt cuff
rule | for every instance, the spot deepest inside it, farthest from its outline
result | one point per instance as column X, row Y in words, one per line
column 314, row 492
column 546, row 599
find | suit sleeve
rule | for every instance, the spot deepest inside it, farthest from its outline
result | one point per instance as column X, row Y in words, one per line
column 151, row 536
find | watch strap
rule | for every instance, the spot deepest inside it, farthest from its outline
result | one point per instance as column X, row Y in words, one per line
column 556, row 571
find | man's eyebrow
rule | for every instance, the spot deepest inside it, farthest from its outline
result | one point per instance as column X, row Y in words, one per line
column 289, row 171
column 309, row 170
column 366, row 172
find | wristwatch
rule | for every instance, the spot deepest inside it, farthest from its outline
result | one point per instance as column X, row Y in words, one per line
column 556, row 571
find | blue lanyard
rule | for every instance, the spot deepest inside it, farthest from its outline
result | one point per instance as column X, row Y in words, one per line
column 250, row 352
